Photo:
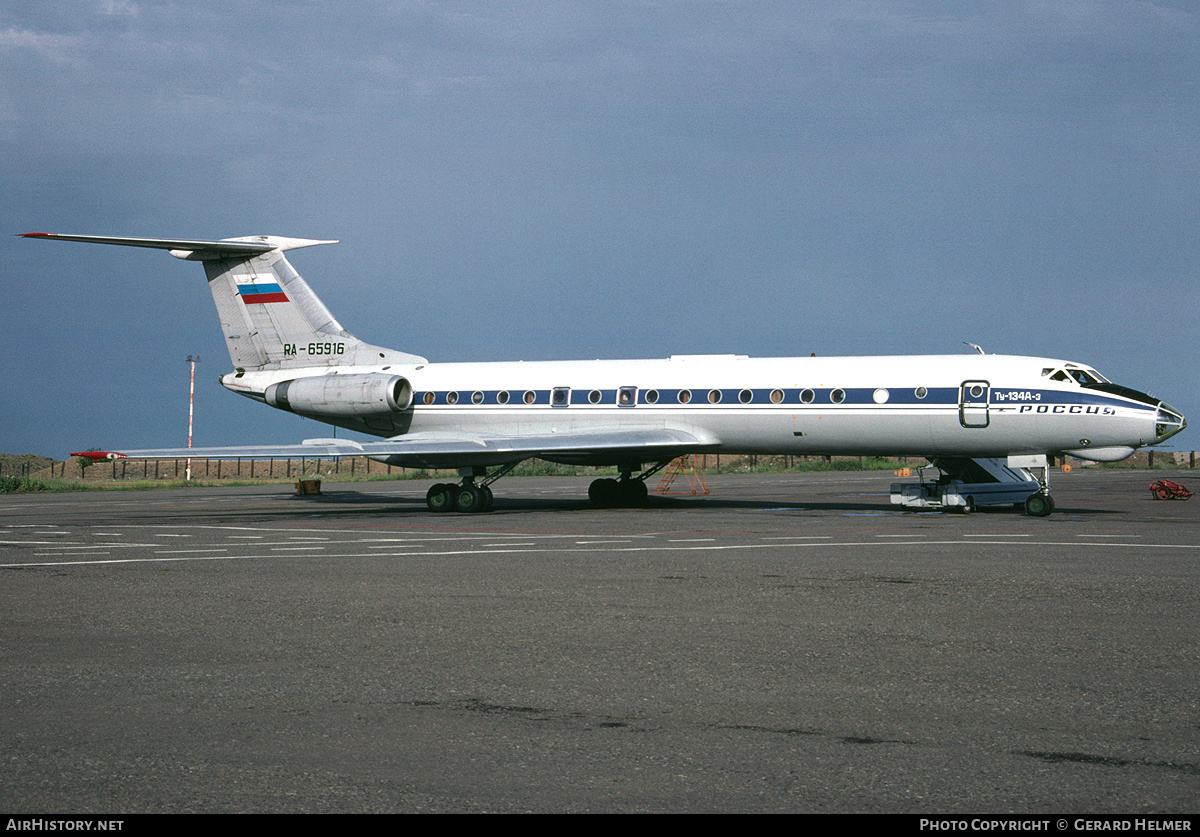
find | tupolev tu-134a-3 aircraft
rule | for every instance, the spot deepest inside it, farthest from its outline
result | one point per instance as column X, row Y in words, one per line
column 985, row 421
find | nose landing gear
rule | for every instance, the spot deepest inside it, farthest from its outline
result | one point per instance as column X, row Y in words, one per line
column 1039, row 504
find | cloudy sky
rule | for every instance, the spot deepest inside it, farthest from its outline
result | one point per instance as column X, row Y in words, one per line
column 525, row 180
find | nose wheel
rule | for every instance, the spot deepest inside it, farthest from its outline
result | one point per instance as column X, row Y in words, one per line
column 1039, row 505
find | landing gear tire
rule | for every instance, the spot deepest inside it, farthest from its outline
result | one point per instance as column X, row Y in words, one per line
column 468, row 499
column 636, row 494
column 612, row 494
column 1039, row 505
column 604, row 493
column 440, row 497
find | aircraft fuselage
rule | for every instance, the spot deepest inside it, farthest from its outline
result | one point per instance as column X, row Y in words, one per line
column 959, row 405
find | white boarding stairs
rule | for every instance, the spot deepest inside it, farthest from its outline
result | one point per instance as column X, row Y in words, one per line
column 963, row 484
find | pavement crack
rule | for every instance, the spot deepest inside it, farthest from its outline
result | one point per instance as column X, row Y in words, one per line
column 1188, row 768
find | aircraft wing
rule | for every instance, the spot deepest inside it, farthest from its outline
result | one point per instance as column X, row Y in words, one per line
column 450, row 450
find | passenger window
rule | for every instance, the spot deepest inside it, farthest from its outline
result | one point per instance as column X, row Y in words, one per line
column 685, row 395
column 920, row 392
column 651, row 396
column 745, row 396
column 627, row 396
column 837, row 396
column 477, row 397
column 807, row 396
column 714, row 396
column 430, row 398
column 776, row 396
column 560, row 397
column 594, row 396
column 502, row 397
column 529, row 397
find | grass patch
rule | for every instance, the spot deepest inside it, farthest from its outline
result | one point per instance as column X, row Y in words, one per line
column 803, row 464
column 27, row 485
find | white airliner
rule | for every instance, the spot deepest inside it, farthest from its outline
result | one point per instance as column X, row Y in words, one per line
column 960, row 411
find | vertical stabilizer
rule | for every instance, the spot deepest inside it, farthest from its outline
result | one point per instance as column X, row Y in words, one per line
column 270, row 317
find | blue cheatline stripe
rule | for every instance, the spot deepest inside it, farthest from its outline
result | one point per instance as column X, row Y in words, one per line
column 761, row 397
column 1016, row 397
column 729, row 397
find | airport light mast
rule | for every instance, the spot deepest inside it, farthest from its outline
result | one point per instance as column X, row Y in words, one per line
column 192, row 360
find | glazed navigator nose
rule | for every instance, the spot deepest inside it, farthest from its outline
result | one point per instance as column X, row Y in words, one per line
column 1168, row 422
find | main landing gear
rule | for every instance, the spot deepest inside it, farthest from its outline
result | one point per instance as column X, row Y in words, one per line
column 628, row 492
column 619, row 494
column 467, row 497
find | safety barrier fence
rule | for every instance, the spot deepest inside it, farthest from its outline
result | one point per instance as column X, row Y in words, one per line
column 360, row 466
column 210, row 469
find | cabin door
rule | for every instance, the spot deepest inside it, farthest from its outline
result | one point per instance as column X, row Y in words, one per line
column 973, row 403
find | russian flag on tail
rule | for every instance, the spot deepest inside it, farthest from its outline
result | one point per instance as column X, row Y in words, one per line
column 260, row 292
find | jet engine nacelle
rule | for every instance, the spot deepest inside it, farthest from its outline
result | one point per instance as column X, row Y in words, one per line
column 342, row 395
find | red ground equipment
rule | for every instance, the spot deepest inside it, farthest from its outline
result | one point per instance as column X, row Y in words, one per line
column 1167, row 490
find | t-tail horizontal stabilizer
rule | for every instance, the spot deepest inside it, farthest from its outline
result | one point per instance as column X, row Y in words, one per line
column 191, row 249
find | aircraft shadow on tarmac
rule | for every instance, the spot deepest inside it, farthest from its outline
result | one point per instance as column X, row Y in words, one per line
column 338, row 503
column 658, row 503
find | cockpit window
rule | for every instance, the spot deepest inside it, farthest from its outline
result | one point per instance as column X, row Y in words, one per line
column 1081, row 376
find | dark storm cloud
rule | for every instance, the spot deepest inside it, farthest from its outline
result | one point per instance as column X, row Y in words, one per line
column 535, row 179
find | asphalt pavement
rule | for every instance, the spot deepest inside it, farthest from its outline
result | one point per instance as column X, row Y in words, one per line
column 789, row 642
